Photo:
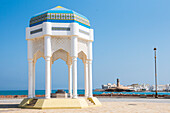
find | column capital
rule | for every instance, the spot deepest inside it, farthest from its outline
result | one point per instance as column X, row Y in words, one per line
column 84, row 62
column 69, row 65
column 74, row 58
column 47, row 58
column 30, row 60
column 74, row 36
column 89, row 61
column 47, row 36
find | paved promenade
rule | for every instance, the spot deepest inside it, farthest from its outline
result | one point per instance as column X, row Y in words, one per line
column 109, row 105
column 152, row 100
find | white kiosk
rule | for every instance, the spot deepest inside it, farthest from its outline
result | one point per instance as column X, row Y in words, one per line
column 60, row 33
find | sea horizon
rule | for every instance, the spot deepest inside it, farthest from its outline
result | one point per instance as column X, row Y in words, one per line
column 79, row 91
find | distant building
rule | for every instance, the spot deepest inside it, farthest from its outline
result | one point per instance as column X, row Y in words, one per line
column 139, row 87
column 160, row 87
column 109, row 85
column 168, row 87
column 118, row 83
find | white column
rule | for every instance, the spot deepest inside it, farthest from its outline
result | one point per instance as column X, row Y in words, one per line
column 47, row 78
column 90, row 57
column 74, row 64
column 70, row 80
column 47, row 54
column 86, row 78
column 75, row 32
column 33, row 86
column 90, row 68
column 90, row 78
column 30, row 68
column 30, row 78
column 50, row 74
column 74, row 71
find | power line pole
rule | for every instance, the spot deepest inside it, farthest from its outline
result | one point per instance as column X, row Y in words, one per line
column 156, row 90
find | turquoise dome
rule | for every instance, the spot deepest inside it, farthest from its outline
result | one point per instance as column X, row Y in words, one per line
column 59, row 15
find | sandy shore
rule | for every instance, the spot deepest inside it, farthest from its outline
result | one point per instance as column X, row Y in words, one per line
column 107, row 107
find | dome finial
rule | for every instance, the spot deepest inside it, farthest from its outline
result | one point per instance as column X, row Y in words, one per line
column 59, row 7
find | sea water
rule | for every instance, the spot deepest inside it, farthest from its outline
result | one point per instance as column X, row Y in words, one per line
column 80, row 91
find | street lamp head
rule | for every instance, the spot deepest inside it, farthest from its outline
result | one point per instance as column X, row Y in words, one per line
column 154, row 48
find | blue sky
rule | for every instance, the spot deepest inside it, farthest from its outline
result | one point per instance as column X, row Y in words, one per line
column 126, row 31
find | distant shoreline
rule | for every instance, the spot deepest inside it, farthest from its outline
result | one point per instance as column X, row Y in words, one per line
column 106, row 90
column 18, row 93
column 97, row 95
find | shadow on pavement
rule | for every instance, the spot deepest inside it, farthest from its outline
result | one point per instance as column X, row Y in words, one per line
column 9, row 105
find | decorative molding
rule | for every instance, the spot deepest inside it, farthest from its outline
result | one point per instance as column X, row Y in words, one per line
column 84, row 32
column 61, row 48
column 59, row 18
column 38, row 45
column 60, row 54
column 61, row 43
column 82, row 46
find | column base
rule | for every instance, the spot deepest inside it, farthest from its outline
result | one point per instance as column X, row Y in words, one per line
column 47, row 97
column 86, row 95
column 74, row 97
column 95, row 101
column 69, row 95
column 62, row 103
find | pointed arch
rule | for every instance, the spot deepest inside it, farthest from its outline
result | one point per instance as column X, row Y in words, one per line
column 60, row 54
column 38, row 55
column 82, row 56
column 61, row 43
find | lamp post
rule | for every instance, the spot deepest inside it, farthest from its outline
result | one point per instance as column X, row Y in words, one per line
column 156, row 90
